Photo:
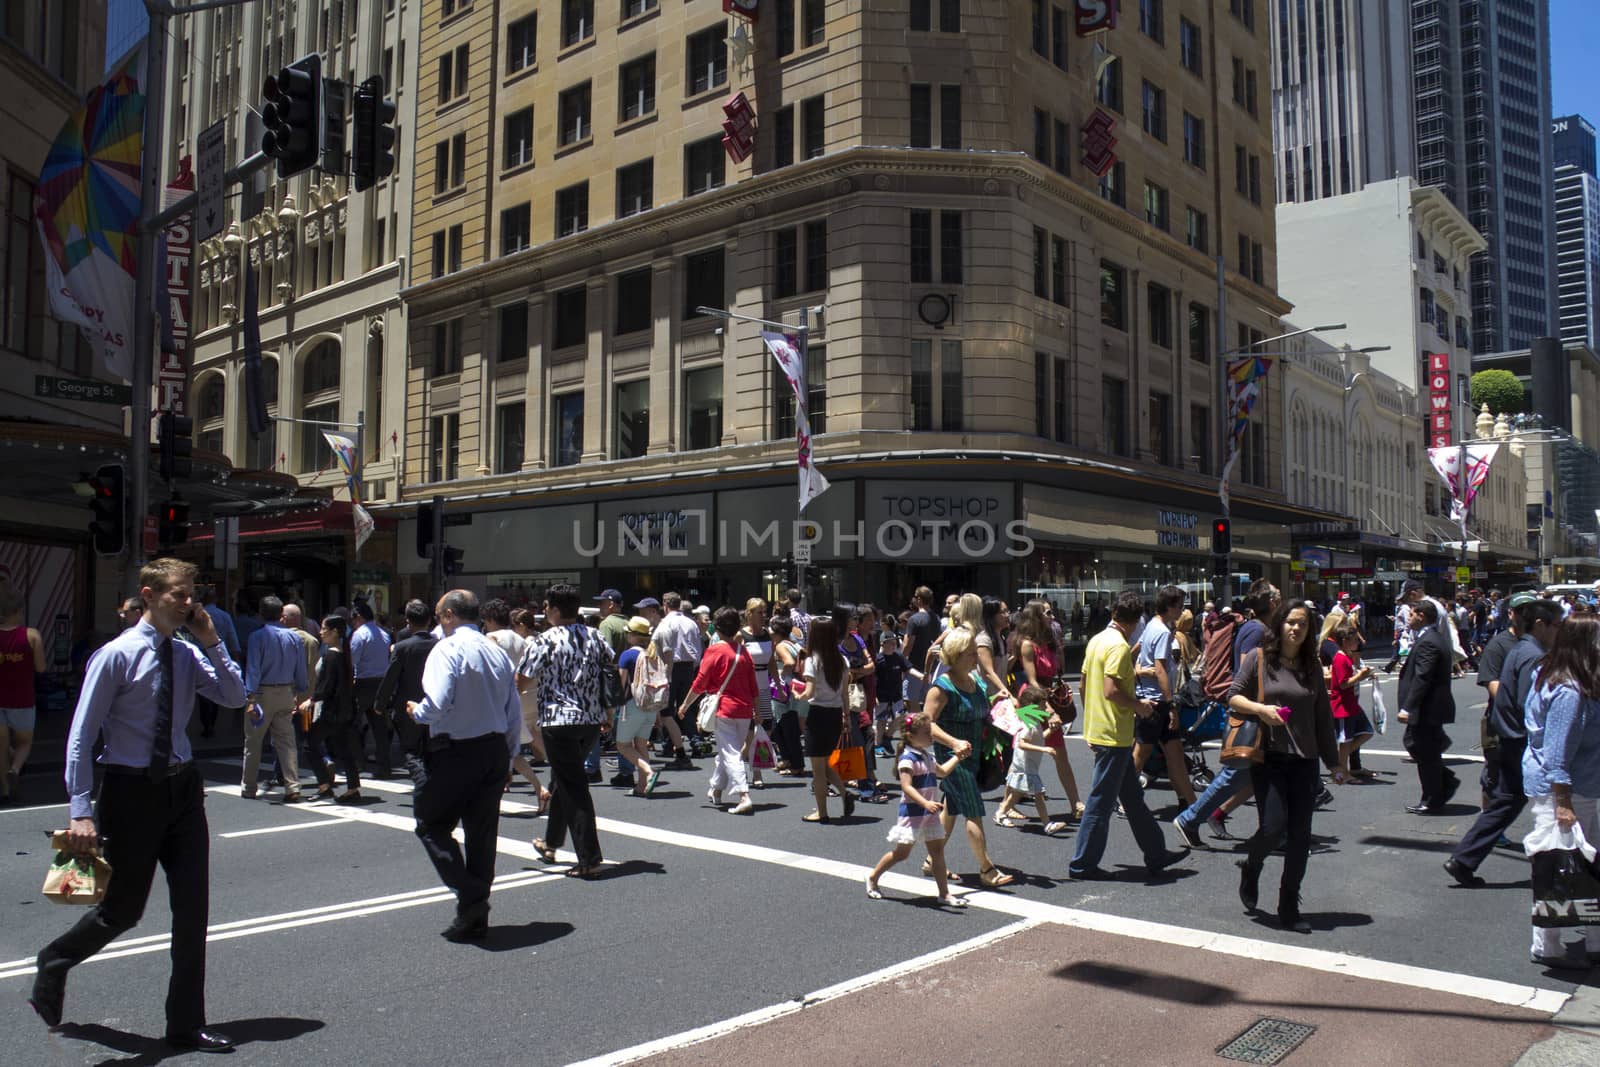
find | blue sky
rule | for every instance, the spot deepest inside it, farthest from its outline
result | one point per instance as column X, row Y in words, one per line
column 1574, row 42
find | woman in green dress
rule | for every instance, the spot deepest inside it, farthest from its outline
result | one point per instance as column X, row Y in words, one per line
column 959, row 707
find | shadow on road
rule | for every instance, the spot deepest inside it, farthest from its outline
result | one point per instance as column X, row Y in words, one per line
column 1321, row 921
column 512, row 938
column 147, row 1050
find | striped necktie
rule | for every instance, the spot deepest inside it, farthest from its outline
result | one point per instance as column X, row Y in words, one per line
column 161, row 744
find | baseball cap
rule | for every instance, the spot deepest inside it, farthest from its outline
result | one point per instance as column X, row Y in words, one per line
column 702, row 610
column 648, row 602
column 1523, row 598
column 611, row 595
column 888, row 637
column 639, row 625
column 1411, row 586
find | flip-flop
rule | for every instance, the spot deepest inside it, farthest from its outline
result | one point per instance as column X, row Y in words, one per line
column 1005, row 821
column 1055, row 828
column 955, row 902
column 927, row 870
column 546, row 853
column 872, row 892
column 994, row 878
column 815, row 817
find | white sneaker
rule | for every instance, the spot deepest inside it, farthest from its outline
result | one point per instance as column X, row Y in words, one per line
column 744, row 807
column 714, row 796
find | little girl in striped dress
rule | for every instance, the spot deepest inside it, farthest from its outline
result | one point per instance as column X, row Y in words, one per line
column 919, row 808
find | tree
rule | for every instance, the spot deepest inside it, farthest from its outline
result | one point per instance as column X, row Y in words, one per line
column 1501, row 390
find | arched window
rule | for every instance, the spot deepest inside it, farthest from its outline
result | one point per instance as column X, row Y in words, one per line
column 319, row 405
column 321, row 370
column 263, row 450
column 212, row 407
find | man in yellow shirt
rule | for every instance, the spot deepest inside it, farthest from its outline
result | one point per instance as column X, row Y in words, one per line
column 1109, row 709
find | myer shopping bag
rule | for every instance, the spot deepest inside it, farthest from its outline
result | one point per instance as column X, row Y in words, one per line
column 74, row 879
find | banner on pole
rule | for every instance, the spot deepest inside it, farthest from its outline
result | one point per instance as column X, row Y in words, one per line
column 1463, row 486
column 785, row 348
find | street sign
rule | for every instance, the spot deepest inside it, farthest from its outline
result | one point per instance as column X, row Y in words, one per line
column 802, row 553
column 150, row 540
column 81, row 389
column 458, row 518
column 1463, row 575
column 211, row 171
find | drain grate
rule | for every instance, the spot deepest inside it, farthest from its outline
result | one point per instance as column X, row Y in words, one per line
column 1266, row 1041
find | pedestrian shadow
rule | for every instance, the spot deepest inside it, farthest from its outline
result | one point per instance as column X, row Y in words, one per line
column 139, row 1049
column 626, row 868
column 670, row 794
column 1321, row 921
column 528, row 935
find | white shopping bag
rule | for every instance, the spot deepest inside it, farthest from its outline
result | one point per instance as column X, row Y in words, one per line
column 1380, row 711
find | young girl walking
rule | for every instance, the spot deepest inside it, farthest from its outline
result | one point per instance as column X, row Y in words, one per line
column 920, row 808
column 1028, row 749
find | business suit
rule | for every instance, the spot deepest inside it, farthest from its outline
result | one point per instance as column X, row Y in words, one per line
column 401, row 683
column 1426, row 699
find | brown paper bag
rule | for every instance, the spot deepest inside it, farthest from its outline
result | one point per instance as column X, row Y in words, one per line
column 74, row 879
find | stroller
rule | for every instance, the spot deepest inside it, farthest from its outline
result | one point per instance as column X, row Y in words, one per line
column 1198, row 723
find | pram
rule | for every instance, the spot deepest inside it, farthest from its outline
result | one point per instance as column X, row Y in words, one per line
column 1198, row 724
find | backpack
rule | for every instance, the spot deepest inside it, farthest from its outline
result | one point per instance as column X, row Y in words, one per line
column 652, row 681
column 1217, row 669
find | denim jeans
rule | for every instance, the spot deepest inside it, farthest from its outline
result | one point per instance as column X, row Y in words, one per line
column 1113, row 780
column 1229, row 781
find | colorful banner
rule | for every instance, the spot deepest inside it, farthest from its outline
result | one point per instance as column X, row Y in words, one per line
column 87, row 209
column 176, row 295
column 364, row 526
column 1244, row 389
column 785, row 348
column 1463, row 490
column 344, row 453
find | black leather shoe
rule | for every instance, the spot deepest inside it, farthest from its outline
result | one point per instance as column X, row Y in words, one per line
column 1092, row 874
column 1293, row 922
column 201, row 1041
column 1421, row 809
column 1249, row 885
column 1451, row 784
column 1167, row 860
column 470, row 925
column 1463, row 874
column 49, row 993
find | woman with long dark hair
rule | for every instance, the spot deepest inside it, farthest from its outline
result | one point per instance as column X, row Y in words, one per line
column 788, row 657
column 990, row 642
column 1561, row 765
column 333, row 707
column 1036, row 660
column 1282, row 686
column 824, row 675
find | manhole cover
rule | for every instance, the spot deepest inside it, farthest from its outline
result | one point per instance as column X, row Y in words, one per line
column 1266, row 1041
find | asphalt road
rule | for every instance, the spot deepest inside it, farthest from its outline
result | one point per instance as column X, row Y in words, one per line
column 325, row 924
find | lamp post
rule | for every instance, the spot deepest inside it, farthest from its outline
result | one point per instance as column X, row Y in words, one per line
column 802, row 337
column 1349, row 389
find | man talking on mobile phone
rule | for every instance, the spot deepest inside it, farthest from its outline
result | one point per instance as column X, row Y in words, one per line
column 139, row 693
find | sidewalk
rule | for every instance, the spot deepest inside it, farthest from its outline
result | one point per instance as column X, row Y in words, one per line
column 1057, row 995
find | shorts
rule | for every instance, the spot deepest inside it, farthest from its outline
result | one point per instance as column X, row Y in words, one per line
column 889, row 709
column 1353, row 727
column 1157, row 729
column 916, row 689
column 18, row 720
column 903, row 834
column 823, row 727
column 634, row 724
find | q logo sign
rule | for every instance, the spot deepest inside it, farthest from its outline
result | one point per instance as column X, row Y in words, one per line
column 1092, row 16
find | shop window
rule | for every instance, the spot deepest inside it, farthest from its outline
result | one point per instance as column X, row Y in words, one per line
column 632, row 420
column 510, row 422
column 702, row 408
column 566, row 429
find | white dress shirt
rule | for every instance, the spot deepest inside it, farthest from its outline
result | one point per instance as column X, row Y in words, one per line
column 469, row 689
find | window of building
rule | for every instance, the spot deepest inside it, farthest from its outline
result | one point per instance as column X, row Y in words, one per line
column 703, row 163
column 632, row 429
column 1041, row 136
column 1041, row 263
column 1156, row 206
column 1190, row 48
column 447, row 251
column 566, row 429
column 1199, row 333
column 921, row 391
column 816, row 274
column 1058, row 36
column 446, row 348
column 1253, row 455
column 635, row 187
column 1255, row 179
column 1238, row 81
column 1040, row 40
column 1158, row 299
column 573, row 109
column 1108, row 91
column 450, row 164
column 936, row 389
column 444, row 434
column 635, row 8
column 1241, row 170
column 1161, row 428
column 1244, row 255
column 813, row 130
column 1244, row 11
column 571, row 326
column 786, row 262
column 1200, row 438
column 814, row 22
column 951, row 254
column 949, row 116
column 1114, row 416
column 1258, row 265
column 1058, row 270
column 1061, row 391
column 921, row 116
column 453, row 71
column 1250, row 90
column 1194, row 140
column 519, row 138
column 782, row 137
column 702, row 408
column 708, row 59
column 632, row 294
column 703, row 282
column 577, row 21
column 783, row 16
column 783, row 428
column 1150, row 20
column 510, row 424
column 572, row 209
column 949, row 15
column 1114, row 185
column 1113, row 295
column 522, row 39
column 1062, row 162
column 1196, row 229
column 513, row 333
column 516, row 224
column 952, row 411
column 637, row 92
column 1425, row 305
column 921, row 246
column 1041, row 394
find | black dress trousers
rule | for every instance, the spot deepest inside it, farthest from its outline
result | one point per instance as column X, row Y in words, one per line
column 461, row 784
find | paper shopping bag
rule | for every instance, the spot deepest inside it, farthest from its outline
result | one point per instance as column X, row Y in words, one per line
column 850, row 761
column 74, row 879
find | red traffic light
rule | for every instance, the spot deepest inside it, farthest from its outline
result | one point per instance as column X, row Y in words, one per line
column 1221, row 537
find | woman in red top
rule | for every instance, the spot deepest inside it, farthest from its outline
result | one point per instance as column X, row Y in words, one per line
column 728, row 668
column 1036, row 661
column 1348, row 672
column 21, row 657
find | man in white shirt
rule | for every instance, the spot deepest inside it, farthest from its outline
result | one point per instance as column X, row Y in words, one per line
column 680, row 641
column 470, row 705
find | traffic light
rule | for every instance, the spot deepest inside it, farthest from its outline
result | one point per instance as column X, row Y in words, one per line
column 373, row 122
column 110, row 506
column 292, row 117
column 173, row 522
column 177, row 445
column 1221, row 537
column 787, row 576
column 425, row 531
column 451, row 555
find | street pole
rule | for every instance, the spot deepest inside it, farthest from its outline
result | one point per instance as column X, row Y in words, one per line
column 802, row 339
column 436, row 550
column 1224, row 593
column 144, row 312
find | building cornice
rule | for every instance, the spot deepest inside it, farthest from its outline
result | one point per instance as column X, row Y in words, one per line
column 1431, row 206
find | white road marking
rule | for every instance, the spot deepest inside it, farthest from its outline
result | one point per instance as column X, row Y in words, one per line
column 266, row 924
column 635, row 1053
column 1493, row 990
column 318, row 824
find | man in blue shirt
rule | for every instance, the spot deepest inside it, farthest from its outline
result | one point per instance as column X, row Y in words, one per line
column 474, row 716
column 1156, row 680
column 138, row 695
column 275, row 681
column 369, row 661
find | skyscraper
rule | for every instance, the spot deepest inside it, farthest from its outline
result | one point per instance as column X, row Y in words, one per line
column 1577, row 196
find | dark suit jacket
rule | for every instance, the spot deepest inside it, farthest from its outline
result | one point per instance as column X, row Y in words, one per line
column 1425, row 680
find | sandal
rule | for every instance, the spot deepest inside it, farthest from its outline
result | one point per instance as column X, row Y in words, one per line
column 588, row 872
column 1005, row 821
column 955, row 902
column 544, row 802
column 1055, row 827
column 927, row 871
column 872, row 891
column 815, row 817
column 1077, row 811
column 993, row 878
column 546, row 853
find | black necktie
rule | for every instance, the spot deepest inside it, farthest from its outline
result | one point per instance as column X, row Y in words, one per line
column 161, row 745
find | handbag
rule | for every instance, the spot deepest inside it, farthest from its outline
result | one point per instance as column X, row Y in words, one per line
column 761, row 754
column 74, row 879
column 1246, row 741
column 613, row 691
column 850, row 761
column 1566, row 882
column 705, row 719
column 1062, row 704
